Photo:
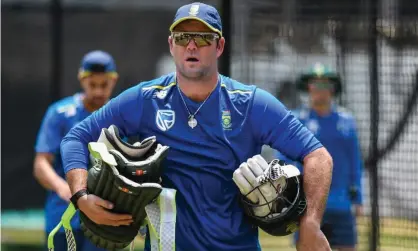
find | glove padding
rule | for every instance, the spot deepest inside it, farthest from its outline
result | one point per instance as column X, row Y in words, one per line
column 129, row 185
column 271, row 194
column 251, row 178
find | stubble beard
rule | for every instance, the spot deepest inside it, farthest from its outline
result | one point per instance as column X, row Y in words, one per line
column 194, row 74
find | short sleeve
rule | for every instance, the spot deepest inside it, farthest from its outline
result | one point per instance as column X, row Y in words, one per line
column 49, row 135
column 274, row 125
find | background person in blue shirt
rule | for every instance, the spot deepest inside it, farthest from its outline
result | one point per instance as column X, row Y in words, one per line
column 336, row 129
column 97, row 75
column 212, row 124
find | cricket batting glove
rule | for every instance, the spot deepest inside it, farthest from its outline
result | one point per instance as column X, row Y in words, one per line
column 271, row 194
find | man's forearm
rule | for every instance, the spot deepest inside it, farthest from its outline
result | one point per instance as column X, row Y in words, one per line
column 77, row 179
column 46, row 175
column 316, row 181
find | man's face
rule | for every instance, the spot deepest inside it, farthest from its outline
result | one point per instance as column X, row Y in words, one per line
column 194, row 60
column 320, row 92
column 98, row 88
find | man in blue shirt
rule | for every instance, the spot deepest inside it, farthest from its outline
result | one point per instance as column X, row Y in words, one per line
column 336, row 130
column 212, row 124
column 98, row 77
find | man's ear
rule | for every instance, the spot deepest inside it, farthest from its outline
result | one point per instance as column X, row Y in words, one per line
column 170, row 44
column 115, row 80
column 220, row 47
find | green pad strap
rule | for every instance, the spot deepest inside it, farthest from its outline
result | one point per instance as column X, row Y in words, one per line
column 66, row 223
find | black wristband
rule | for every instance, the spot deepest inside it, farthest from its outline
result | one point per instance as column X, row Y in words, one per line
column 77, row 196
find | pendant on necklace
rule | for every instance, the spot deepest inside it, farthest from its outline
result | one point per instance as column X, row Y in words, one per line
column 192, row 122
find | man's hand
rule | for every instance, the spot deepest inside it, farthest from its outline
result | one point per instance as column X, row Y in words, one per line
column 261, row 182
column 96, row 209
column 48, row 178
column 64, row 191
column 311, row 237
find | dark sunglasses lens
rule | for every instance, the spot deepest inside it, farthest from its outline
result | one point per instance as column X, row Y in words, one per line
column 323, row 85
column 199, row 39
column 181, row 39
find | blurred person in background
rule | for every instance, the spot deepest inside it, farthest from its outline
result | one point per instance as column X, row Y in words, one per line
column 97, row 76
column 336, row 129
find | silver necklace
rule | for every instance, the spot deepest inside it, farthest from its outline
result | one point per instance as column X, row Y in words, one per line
column 192, row 121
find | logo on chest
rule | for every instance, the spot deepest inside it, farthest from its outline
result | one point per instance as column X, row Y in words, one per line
column 343, row 128
column 226, row 120
column 165, row 119
column 313, row 126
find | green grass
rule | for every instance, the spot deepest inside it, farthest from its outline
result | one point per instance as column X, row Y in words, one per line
column 396, row 235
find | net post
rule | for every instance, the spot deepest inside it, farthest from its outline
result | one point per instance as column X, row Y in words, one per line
column 374, row 124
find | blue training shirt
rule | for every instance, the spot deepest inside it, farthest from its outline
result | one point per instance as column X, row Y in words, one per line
column 59, row 119
column 233, row 124
column 337, row 132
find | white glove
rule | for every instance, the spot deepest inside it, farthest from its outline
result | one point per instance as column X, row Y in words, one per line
column 269, row 181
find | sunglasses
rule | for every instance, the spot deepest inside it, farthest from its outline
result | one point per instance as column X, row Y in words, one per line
column 200, row 38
